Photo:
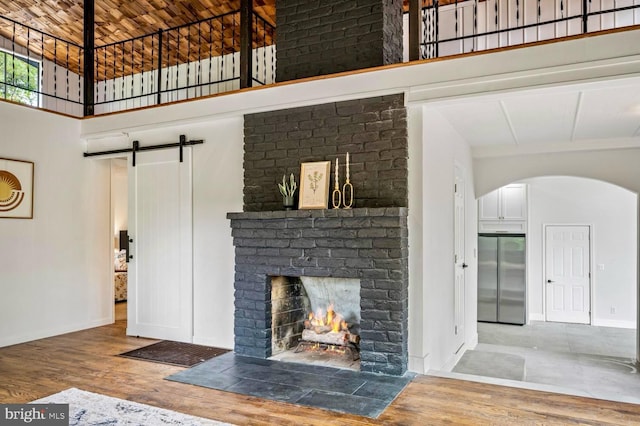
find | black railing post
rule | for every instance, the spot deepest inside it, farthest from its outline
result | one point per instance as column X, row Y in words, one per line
column 159, row 95
column 89, row 65
column 246, row 43
column 415, row 15
column 585, row 17
column 436, row 18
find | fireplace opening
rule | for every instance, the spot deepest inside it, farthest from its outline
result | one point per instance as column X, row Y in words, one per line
column 316, row 321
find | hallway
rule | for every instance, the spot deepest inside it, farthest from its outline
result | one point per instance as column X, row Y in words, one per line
column 568, row 358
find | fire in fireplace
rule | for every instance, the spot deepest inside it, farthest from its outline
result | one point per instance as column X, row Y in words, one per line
column 317, row 316
column 329, row 332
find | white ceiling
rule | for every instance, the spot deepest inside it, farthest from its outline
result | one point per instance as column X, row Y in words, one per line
column 564, row 117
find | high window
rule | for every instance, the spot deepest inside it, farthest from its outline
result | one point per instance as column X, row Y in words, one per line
column 19, row 79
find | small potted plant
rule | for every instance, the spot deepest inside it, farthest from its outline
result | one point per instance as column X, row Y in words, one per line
column 288, row 190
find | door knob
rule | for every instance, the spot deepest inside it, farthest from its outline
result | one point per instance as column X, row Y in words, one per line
column 464, row 265
column 549, row 281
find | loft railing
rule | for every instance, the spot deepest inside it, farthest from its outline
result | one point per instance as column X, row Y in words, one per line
column 184, row 62
column 264, row 51
column 39, row 69
column 210, row 56
column 473, row 25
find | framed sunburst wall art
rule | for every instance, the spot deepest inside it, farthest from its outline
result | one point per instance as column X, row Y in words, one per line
column 16, row 189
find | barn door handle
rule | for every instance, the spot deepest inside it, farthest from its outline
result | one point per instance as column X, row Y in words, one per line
column 129, row 256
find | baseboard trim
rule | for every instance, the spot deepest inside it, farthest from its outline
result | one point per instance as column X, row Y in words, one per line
column 536, row 317
column 418, row 364
column 473, row 342
column 613, row 323
column 453, row 360
column 43, row 334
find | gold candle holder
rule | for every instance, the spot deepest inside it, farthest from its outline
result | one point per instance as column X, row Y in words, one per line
column 347, row 187
column 336, row 198
column 336, row 192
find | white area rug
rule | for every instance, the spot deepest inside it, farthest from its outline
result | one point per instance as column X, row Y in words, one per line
column 87, row 408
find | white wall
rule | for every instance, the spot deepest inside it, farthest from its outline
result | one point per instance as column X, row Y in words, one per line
column 431, row 279
column 616, row 166
column 55, row 274
column 218, row 185
column 612, row 213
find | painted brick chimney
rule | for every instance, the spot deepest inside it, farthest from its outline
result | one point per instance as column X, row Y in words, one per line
column 330, row 36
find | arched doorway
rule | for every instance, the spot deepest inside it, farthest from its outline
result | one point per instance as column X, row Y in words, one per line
column 611, row 215
column 618, row 167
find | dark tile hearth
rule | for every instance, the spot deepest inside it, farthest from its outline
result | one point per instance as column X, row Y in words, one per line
column 345, row 391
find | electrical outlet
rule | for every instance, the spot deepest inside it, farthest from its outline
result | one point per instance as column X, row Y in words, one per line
column 613, row 310
column 600, row 266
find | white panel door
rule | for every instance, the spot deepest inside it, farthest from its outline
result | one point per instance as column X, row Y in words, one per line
column 160, row 274
column 459, row 267
column 567, row 260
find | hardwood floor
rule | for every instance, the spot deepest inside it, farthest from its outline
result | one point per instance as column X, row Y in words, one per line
column 87, row 360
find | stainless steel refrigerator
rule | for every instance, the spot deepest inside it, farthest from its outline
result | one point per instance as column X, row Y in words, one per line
column 501, row 278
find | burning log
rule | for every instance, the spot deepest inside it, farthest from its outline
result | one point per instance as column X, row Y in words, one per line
column 329, row 329
column 337, row 338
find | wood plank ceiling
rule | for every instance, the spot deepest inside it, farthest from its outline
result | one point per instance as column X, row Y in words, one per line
column 116, row 21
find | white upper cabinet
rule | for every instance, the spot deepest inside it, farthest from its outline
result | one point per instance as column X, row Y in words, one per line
column 513, row 202
column 489, row 208
column 504, row 210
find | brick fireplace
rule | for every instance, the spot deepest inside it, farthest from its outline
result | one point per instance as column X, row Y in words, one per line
column 368, row 242
column 365, row 243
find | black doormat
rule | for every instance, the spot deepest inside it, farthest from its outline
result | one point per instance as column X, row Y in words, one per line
column 175, row 353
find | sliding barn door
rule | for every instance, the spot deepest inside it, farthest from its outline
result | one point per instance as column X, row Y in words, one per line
column 160, row 294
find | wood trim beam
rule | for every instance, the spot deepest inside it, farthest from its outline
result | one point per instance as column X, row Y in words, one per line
column 88, row 52
column 415, row 15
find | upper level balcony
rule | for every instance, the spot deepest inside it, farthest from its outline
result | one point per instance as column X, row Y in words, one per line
column 237, row 49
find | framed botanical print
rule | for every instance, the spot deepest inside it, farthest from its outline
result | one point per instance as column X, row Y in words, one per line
column 16, row 189
column 314, row 185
